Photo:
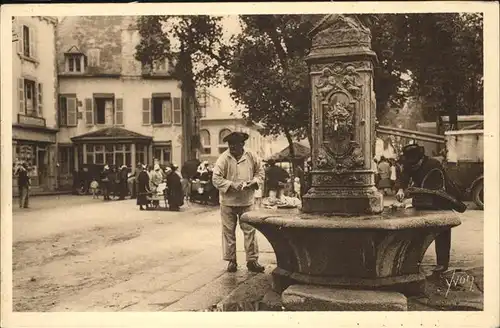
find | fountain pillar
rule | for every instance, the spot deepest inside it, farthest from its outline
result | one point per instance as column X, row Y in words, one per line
column 343, row 119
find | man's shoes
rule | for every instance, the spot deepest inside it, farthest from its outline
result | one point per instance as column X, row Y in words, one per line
column 440, row 268
column 232, row 266
column 254, row 266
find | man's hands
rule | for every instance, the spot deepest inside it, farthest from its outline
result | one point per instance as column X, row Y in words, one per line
column 238, row 186
column 400, row 196
column 252, row 185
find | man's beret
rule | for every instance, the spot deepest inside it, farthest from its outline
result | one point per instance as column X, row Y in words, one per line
column 235, row 137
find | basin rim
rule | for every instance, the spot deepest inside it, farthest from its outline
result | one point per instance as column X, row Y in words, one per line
column 420, row 220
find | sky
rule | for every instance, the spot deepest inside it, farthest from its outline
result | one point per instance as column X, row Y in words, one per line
column 231, row 26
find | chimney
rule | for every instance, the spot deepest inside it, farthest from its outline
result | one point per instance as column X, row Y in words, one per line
column 130, row 39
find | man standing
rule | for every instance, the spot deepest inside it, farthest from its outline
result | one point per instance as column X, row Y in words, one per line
column 237, row 174
column 23, row 185
column 417, row 167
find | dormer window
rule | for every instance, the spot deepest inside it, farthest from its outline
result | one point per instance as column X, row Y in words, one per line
column 160, row 66
column 75, row 61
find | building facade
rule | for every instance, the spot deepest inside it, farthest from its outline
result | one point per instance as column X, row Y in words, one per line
column 213, row 132
column 34, row 112
column 111, row 109
column 216, row 124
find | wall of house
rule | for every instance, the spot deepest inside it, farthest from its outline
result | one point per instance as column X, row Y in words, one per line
column 33, row 136
column 41, row 68
column 132, row 91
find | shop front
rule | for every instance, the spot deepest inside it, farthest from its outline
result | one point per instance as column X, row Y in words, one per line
column 112, row 146
column 37, row 148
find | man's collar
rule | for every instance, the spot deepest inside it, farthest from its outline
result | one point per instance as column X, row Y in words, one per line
column 241, row 158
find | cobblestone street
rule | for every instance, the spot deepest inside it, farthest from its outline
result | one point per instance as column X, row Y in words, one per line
column 120, row 259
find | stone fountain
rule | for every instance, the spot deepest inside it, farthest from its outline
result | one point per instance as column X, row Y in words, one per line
column 343, row 250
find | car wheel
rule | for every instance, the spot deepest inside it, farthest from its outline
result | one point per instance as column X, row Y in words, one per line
column 478, row 194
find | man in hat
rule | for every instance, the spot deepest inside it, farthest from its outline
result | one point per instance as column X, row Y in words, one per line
column 237, row 174
column 23, row 185
column 416, row 166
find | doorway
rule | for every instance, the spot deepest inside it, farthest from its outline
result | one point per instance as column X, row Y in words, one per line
column 42, row 164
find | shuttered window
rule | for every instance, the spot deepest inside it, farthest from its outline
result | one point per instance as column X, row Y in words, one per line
column 22, row 108
column 89, row 113
column 68, row 110
column 177, row 111
column 119, row 111
column 72, row 108
column 27, row 44
column 40, row 99
column 167, row 111
column 146, row 111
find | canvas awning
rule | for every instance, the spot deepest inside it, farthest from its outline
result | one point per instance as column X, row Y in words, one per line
column 301, row 153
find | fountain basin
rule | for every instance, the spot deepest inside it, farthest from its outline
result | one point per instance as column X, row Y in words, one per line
column 380, row 251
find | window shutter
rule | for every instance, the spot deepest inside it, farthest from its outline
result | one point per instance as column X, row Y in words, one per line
column 177, row 111
column 71, row 108
column 32, row 43
column 22, row 108
column 146, row 111
column 40, row 100
column 119, row 111
column 167, row 111
column 89, row 113
column 20, row 38
column 63, row 120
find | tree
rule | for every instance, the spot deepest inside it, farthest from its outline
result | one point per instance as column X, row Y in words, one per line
column 198, row 56
column 444, row 54
column 268, row 74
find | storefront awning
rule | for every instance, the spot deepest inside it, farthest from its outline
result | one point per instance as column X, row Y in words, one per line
column 112, row 134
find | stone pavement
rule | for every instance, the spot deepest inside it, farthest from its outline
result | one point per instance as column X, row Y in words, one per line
column 459, row 289
column 79, row 254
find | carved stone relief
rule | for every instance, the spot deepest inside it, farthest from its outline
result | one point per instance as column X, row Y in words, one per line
column 339, row 91
column 358, row 65
column 341, row 31
column 341, row 179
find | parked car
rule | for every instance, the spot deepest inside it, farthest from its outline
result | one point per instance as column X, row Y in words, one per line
column 465, row 162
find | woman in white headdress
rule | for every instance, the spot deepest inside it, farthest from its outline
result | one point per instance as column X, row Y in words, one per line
column 156, row 177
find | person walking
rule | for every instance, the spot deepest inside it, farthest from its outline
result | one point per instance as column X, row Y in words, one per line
column 138, row 170
column 417, row 167
column 23, row 185
column 142, row 188
column 105, row 182
column 123, row 177
column 237, row 174
column 175, row 195
column 384, row 172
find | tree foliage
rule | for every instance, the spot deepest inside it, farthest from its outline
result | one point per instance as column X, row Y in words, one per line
column 442, row 53
column 198, row 53
column 268, row 74
column 435, row 57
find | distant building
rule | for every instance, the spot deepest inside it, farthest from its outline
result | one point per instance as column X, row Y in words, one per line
column 208, row 102
column 217, row 124
column 112, row 109
column 34, row 124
